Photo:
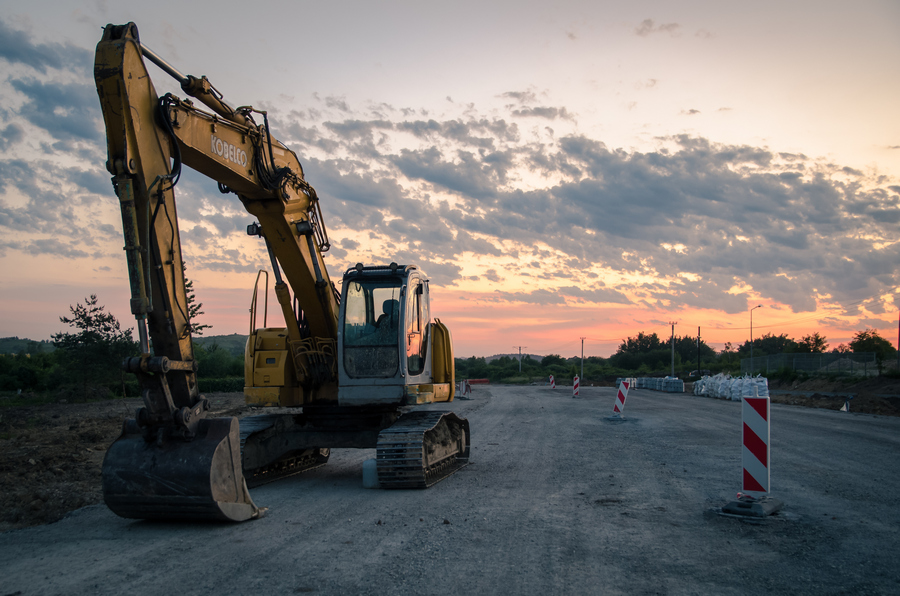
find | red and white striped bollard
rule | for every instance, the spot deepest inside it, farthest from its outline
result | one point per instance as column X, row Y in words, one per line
column 754, row 500
column 552, row 382
column 755, row 453
column 575, row 387
column 619, row 406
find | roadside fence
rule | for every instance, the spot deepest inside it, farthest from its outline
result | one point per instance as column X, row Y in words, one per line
column 861, row 364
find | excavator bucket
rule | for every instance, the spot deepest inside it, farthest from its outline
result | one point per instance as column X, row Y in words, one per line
column 174, row 479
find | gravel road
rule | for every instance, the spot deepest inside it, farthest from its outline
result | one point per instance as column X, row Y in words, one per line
column 557, row 500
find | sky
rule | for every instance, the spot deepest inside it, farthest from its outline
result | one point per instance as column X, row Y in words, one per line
column 560, row 171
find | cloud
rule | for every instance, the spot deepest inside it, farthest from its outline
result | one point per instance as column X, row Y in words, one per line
column 469, row 175
column 596, row 295
column 541, row 297
column 543, row 112
column 647, row 27
column 522, row 97
column 46, row 246
column 338, row 180
column 68, row 111
column 16, row 46
column 482, row 133
column 338, row 103
column 10, row 135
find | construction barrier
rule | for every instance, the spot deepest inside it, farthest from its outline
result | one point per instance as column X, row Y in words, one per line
column 667, row 384
column 755, row 455
column 479, row 381
column 463, row 389
column 619, row 407
column 552, row 382
column 575, row 387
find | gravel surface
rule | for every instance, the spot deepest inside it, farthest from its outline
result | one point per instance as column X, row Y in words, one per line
column 557, row 500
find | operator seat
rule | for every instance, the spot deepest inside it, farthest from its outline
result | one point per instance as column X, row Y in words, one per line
column 390, row 319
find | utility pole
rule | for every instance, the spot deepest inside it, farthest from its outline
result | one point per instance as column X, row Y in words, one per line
column 520, row 356
column 698, row 351
column 582, row 359
column 673, row 323
column 751, row 337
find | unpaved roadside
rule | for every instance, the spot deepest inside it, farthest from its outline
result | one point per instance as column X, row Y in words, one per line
column 557, row 500
column 51, row 454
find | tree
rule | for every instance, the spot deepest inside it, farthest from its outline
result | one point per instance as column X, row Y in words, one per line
column 812, row 344
column 640, row 344
column 870, row 341
column 193, row 306
column 767, row 345
column 686, row 347
column 92, row 357
column 552, row 359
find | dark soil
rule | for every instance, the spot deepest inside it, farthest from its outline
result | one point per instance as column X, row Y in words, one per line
column 51, row 454
column 875, row 395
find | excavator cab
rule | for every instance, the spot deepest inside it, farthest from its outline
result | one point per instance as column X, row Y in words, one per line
column 389, row 347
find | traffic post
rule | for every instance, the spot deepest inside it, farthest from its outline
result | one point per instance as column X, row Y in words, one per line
column 619, row 406
column 754, row 499
column 575, row 387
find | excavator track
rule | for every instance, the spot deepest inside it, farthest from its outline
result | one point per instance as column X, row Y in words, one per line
column 421, row 449
column 289, row 465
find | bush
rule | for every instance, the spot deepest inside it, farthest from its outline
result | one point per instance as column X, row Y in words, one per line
column 787, row 375
column 225, row 385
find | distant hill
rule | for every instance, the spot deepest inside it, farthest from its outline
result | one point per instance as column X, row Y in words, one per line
column 14, row 345
column 234, row 344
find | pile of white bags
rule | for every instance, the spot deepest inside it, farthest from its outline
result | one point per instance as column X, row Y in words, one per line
column 724, row 386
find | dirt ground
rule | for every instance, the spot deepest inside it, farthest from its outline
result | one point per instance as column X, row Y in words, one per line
column 876, row 395
column 51, row 454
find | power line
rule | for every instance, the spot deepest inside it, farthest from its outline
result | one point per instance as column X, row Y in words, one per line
column 520, row 356
column 803, row 319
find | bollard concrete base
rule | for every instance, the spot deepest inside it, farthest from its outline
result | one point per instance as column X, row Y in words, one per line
column 370, row 474
column 761, row 507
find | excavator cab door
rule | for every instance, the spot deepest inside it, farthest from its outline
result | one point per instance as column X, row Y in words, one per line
column 416, row 317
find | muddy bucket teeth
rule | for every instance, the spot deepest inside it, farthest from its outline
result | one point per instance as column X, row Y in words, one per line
column 174, row 479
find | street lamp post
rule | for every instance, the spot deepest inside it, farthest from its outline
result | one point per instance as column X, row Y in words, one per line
column 673, row 323
column 751, row 337
column 582, row 359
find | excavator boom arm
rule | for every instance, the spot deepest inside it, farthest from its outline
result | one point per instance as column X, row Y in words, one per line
column 172, row 461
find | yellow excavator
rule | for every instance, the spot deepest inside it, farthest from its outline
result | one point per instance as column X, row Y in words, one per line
column 348, row 364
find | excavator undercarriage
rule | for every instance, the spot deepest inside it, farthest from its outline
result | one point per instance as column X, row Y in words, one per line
column 413, row 450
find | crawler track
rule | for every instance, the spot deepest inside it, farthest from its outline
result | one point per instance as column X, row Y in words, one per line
column 421, row 449
column 294, row 463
